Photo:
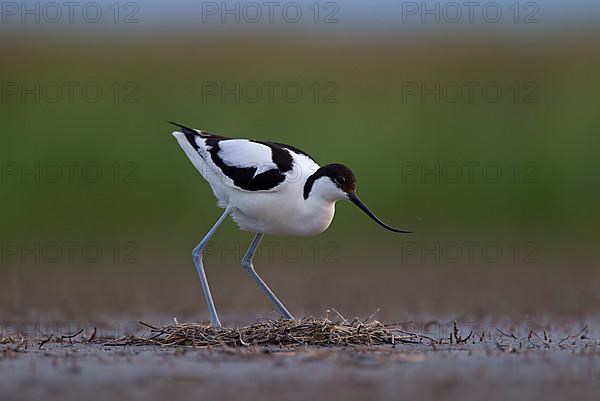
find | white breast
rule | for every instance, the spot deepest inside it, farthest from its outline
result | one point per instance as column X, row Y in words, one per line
column 284, row 211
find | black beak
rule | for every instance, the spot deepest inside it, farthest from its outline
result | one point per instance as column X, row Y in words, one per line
column 356, row 200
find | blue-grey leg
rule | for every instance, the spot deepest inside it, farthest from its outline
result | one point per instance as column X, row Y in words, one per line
column 197, row 258
column 249, row 267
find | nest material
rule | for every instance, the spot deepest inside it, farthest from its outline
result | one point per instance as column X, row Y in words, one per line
column 310, row 331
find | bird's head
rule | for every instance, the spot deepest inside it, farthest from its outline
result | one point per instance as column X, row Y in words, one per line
column 335, row 182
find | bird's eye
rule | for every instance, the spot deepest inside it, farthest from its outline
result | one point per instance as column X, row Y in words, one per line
column 341, row 180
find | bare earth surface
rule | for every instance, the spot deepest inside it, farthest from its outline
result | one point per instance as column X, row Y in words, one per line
column 527, row 337
column 519, row 363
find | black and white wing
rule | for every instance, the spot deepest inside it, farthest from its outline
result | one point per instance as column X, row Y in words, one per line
column 242, row 163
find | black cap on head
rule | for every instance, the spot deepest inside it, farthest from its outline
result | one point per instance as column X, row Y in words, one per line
column 341, row 176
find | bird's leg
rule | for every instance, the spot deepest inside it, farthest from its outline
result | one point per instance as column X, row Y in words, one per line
column 247, row 263
column 197, row 258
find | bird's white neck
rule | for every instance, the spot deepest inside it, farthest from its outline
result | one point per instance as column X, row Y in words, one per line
column 325, row 190
column 317, row 214
column 319, row 207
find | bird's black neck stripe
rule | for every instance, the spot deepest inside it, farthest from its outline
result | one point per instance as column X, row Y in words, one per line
column 310, row 182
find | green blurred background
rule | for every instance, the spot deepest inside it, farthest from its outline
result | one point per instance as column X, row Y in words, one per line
column 150, row 207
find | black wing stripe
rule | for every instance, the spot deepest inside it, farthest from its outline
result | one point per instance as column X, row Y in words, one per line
column 292, row 148
column 280, row 156
column 243, row 177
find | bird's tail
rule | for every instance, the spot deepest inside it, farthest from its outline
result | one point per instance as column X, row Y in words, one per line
column 188, row 130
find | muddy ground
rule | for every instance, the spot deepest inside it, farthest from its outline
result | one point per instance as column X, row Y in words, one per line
column 495, row 369
column 533, row 337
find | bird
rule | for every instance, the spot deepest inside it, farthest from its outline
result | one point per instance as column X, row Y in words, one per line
column 268, row 188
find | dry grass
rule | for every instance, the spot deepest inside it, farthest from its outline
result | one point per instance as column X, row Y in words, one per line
column 309, row 331
column 316, row 332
